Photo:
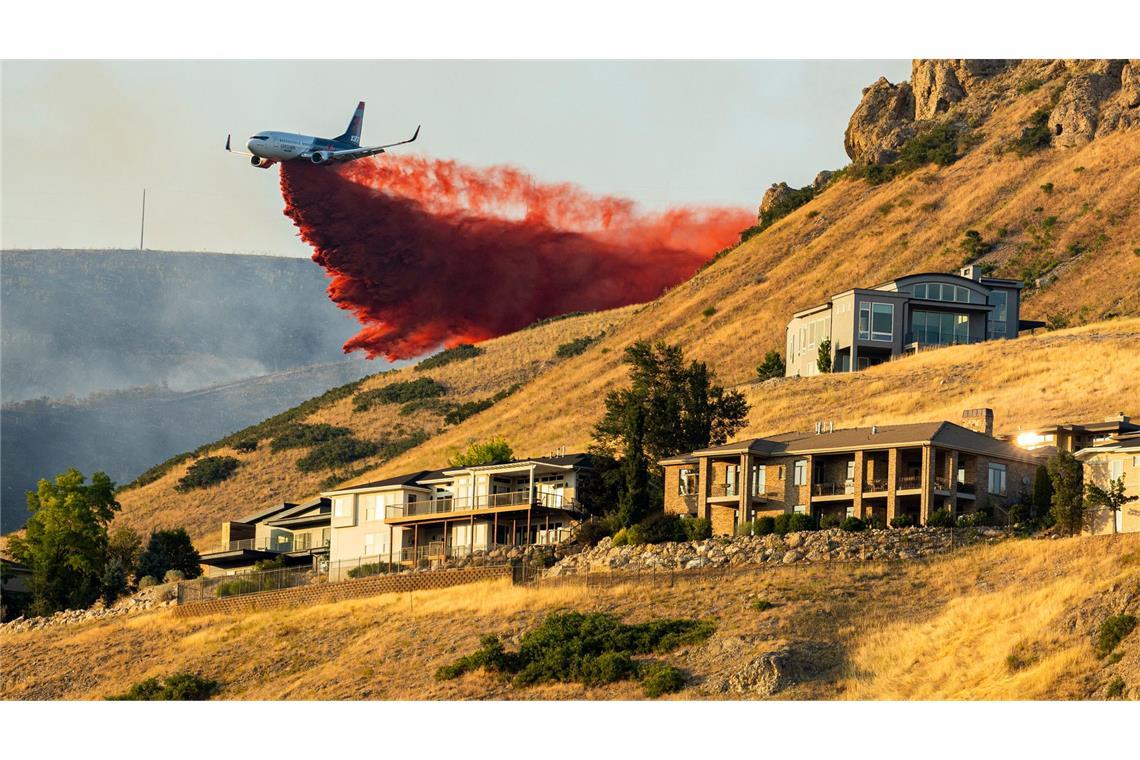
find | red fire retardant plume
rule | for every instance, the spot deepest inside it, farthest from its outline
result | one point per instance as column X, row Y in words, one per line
column 427, row 253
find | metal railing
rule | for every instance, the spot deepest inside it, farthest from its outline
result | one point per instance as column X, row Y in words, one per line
column 910, row 481
column 482, row 501
column 240, row 584
column 912, row 338
column 833, row 488
column 967, row 487
column 279, row 544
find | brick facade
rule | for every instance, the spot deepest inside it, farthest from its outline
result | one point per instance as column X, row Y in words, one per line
column 324, row 593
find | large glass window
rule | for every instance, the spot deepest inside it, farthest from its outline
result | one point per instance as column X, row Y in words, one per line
column 688, row 482
column 882, row 321
column 1000, row 315
column 939, row 329
column 996, row 482
column 800, row 472
column 759, row 478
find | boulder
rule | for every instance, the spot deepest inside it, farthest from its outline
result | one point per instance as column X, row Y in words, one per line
column 792, row 556
column 1075, row 118
column 1130, row 85
column 821, row 180
column 882, row 123
column 773, row 195
column 936, row 87
column 775, row 671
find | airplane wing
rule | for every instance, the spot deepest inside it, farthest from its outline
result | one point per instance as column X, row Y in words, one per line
column 235, row 152
column 362, row 152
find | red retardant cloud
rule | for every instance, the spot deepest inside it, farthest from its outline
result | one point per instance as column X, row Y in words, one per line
column 427, row 253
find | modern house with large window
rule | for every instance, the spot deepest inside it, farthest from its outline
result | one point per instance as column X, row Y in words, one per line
column 876, row 473
column 1073, row 436
column 297, row 534
column 867, row 326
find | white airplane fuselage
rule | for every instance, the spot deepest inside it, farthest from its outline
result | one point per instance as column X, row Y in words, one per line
column 283, row 146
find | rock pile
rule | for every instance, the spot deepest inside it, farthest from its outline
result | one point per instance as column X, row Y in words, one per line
column 148, row 599
column 832, row 545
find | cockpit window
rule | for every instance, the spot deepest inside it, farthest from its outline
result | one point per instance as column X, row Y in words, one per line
column 260, row 137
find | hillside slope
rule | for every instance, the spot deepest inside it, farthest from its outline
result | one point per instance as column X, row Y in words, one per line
column 1065, row 216
column 1016, row 620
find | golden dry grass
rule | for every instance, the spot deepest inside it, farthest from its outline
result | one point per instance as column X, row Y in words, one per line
column 842, row 238
column 937, row 630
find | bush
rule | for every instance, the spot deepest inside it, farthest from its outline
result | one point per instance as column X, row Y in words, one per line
column 902, row 521
column 780, row 209
column 973, row 520
column 830, row 521
column 302, row 436
column 853, row 525
column 399, row 393
column 238, row 587
column 939, row 144
column 762, row 605
column 628, row 537
column 940, row 518
column 781, row 524
column 206, row 472
column 800, row 522
column 1035, row 135
column 594, row 530
column 696, row 528
column 180, row 687
column 591, row 649
column 771, row 367
column 246, row 446
column 576, row 346
column 173, row 576
column 447, row 356
column 372, row 568
column 661, row 678
column 1115, row 688
column 492, row 451
column 659, row 528
column 762, row 526
column 147, row 581
column 459, row 412
column 170, row 550
column 1112, row 632
column 336, row 453
column 876, row 523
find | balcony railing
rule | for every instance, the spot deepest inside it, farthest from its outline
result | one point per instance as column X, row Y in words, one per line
column 941, row 483
column 724, row 489
column 913, row 338
column 833, row 488
column 910, row 481
column 875, row 484
column 279, row 544
column 967, row 487
column 482, row 501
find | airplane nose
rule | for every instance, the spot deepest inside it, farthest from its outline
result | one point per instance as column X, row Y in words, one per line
column 249, row 145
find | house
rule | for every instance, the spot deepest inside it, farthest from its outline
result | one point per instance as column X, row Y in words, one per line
column 873, row 473
column 434, row 515
column 1073, row 437
column 1117, row 457
column 867, row 326
column 297, row 534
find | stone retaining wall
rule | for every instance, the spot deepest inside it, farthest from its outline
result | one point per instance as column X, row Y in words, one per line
column 832, row 545
column 334, row 592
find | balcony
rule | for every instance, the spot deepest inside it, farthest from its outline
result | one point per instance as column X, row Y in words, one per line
column 967, row 489
column 874, row 485
column 909, row 482
column 724, row 489
column 494, row 501
column 833, row 488
column 277, row 544
column 941, row 484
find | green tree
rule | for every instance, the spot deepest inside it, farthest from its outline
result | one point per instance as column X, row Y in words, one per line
column 1042, row 491
column 633, row 498
column 125, row 545
column 670, row 407
column 823, row 356
column 113, row 584
column 771, row 367
column 1112, row 498
column 170, row 550
column 493, row 451
column 1067, row 479
column 65, row 543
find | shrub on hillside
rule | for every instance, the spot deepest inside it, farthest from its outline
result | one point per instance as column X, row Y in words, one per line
column 169, row 550
column 940, row 518
column 175, row 688
column 246, row 445
column 771, row 367
column 696, row 528
column 576, row 346
column 661, row 678
column 853, row 525
column 1035, row 135
column 593, row 649
column 206, row 472
column 399, row 393
column 1112, row 632
column 492, row 451
column 173, row 576
column 336, row 453
column 238, row 587
column 973, row 520
column 902, row 521
column 594, row 530
column 659, row 528
column 792, row 522
column 147, row 581
column 460, row 412
column 761, row 526
column 299, row 435
column 447, row 356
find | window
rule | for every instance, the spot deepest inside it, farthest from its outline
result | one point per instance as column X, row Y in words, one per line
column 939, row 329
column 800, row 473
column 687, row 484
column 876, row 321
column 730, row 479
column 759, row 478
column 342, row 506
column 996, row 483
column 1116, row 469
column 1000, row 315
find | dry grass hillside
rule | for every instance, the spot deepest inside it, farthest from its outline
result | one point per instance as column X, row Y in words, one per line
column 1016, row 620
column 1071, row 213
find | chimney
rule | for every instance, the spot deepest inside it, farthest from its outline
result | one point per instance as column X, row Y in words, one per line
column 979, row 420
column 971, row 272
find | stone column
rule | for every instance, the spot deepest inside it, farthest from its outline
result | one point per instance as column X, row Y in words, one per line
column 892, row 484
column 926, row 499
column 952, row 464
column 704, row 475
column 857, row 499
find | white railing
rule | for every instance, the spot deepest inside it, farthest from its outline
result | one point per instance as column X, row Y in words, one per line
column 482, row 501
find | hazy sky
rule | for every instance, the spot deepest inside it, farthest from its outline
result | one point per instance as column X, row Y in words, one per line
column 81, row 139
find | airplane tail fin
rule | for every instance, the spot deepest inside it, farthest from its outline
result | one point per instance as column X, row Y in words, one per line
column 352, row 134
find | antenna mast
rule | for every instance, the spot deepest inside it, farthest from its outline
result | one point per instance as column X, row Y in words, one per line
column 142, row 223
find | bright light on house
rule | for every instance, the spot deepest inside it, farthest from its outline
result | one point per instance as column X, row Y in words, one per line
column 1030, row 440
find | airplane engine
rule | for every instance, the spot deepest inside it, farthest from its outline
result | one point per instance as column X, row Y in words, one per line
column 260, row 163
column 319, row 158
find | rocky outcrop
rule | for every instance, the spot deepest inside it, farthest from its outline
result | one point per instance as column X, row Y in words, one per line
column 821, row 180
column 779, row 191
column 832, row 545
column 881, row 124
column 1074, row 119
column 936, row 86
column 1130, row 85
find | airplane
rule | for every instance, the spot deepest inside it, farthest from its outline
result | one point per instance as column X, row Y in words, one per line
column 268, row 148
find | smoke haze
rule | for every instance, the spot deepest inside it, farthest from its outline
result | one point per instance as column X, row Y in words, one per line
column 426, row 252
